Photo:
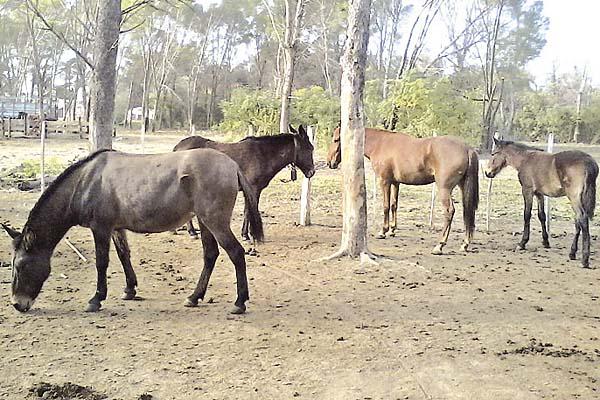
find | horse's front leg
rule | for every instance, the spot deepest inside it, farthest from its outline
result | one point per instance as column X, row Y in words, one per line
column 211, row 252
column 445, row 195
column 542, row 218
column 528, row 201
column 102, row 244
column 385, row 189
column 120, row 241
column 573, row 252
column 394, row 194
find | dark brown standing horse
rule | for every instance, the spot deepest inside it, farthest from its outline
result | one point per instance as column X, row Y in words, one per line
column 567, row 173
column 110, row 192
column 260, row 159
column 399, row 158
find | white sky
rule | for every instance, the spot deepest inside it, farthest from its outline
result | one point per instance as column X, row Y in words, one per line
column 572, row 39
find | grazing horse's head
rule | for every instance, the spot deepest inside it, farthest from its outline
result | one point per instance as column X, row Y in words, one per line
column 303, row 158
column 334, row 155
column 498, row 160
column 30, row 268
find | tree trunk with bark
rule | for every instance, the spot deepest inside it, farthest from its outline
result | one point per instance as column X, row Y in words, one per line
column 354, row 231
column 293, row 23
column 102, row 104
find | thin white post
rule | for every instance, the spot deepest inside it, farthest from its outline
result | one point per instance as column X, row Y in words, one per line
column 432, row 205
column 306, row 186
column 547, row 199
column 43, row 161
column 489, row 191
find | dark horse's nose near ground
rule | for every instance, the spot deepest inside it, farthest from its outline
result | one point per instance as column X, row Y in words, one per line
column 489, row 174
column 20, row 308
column 310, row 173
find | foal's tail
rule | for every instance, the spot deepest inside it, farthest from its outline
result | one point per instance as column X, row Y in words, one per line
column 253, row 215
column 588, row 194
column 470, row 192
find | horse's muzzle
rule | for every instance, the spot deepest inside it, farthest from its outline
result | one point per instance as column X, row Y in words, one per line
column 310, row 173
column 489, row 174
column 332, row 164
column 21, row 308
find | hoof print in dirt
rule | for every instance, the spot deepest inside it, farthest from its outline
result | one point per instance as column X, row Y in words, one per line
column 66, row 391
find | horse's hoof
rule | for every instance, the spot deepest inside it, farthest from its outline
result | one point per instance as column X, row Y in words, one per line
column 245, row 238
column 251, row 252
column 128, row 296
column 520, row 247
column 194, row 236
column 238, row 309
column 190, row 303
column 546, row 245
column 586, row 266
column 392, row 233
column 93, row 307
column 437, row 250
column 465, row 248
column 572, row 256
column 380, row 235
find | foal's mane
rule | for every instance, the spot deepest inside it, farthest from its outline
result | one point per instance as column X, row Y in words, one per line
column 51, row 189
column 521, row 146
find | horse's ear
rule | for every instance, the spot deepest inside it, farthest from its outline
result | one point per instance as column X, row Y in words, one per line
column 496, row 141
column 11, row 232
column 292, row 130
column 28, row 238
column 302, row 130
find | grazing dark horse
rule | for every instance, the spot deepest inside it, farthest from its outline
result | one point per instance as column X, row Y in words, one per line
column 110, row 192
column 260, row 159
column 399, row 158
column 567, row 173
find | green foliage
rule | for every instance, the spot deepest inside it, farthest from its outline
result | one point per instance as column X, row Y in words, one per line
column 31, row 168
column 541, row 115
column 423, row 106
column 259, row 108
column 314, row 106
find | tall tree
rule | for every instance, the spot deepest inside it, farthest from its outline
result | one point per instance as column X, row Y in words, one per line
column 354, row 231
column 104, row 77
column 294, row 13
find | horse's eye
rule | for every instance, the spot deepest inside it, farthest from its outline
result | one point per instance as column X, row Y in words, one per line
column 336, row 140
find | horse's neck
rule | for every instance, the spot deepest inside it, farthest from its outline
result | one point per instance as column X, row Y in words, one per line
column 280, row 156
column 52, row 220
column 516, row 159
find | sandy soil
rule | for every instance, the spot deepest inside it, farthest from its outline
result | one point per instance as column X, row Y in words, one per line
column 489, row 324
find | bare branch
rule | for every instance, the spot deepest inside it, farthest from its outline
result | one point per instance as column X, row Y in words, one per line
column 58, row 34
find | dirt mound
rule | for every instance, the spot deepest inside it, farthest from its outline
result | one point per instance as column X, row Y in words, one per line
column 66, row 391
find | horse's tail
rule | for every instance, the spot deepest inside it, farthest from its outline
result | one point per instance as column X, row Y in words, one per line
column 588, row 194
column 253, row 215
column 470, row 191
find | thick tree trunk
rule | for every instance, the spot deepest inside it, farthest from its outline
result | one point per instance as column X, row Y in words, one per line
column 354, row 231
column 102, row 103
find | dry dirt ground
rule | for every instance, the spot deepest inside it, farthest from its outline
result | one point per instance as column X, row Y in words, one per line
column 489, row 324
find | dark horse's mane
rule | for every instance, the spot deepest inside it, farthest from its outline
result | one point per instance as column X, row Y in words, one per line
column 267, row 138
column 59, row 179
column 521, row 146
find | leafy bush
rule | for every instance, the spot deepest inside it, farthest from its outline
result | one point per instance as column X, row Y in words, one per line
column 314, row 106
column 31, row 168
column 259, row 108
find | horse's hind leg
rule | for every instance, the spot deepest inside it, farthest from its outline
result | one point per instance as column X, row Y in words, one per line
column 542, row 218
column 385, row 188
column 585, row 242
column 120, row 241
column 394, row 193
column 102, row 244
column 528, row 200
column 573, row 252
column 448, row 207
column 246, row 224
column 211, row 252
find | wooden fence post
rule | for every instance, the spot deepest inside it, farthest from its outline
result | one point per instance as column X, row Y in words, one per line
column 26, row 125
column 79, row 127
column 42, row 163
column 3, row 128
column 547, row 199
column 432, row 205
column 306, row 186
column 9, row 127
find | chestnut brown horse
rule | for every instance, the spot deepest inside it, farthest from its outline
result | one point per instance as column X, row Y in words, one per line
column 399, row 158
column 567, row 173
